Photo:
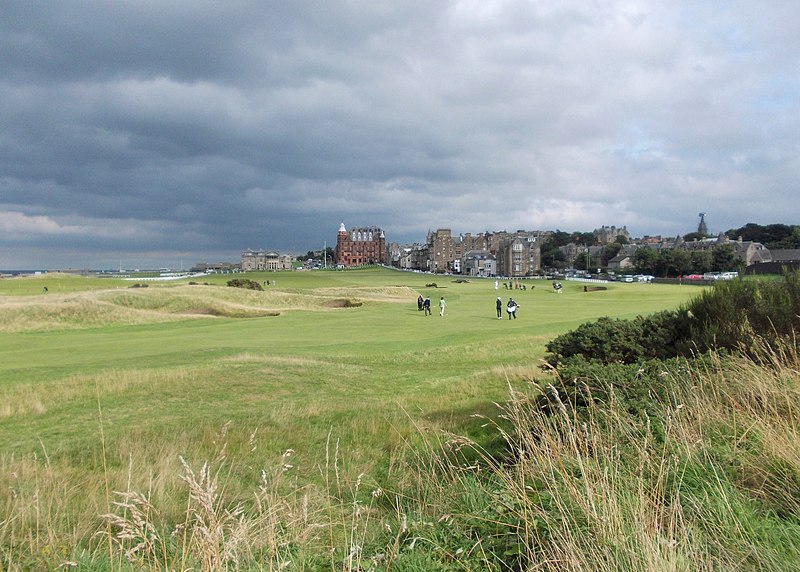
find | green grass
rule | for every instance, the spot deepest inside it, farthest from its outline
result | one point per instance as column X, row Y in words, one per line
column 378, row 357
column 98, row 378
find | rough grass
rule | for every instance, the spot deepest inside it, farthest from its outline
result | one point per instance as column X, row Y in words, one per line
column 153, row 305
column 601, row 489
column 717, row 489
column 96, row 413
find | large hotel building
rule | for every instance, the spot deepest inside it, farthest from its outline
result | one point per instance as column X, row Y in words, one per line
column 365, row 245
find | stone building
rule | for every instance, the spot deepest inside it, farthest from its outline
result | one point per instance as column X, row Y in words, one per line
column 265, row 260
column 479, row 263
column 608, row 234
column 519, row 253
column 359, row 246
column 748, row 252
column 415, row 257
column 442, row 251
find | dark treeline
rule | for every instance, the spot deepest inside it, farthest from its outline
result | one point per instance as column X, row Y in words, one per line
column 677, row 262
column 773, row 236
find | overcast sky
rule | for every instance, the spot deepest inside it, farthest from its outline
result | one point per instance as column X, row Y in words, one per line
column 157, row 133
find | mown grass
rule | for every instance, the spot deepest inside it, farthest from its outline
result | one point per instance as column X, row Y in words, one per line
column 110, row 395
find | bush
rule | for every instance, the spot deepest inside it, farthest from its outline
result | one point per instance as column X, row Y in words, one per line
column 734, row 315
column 742, row 314
column 608, row 340
column 245, row 283
column 638, row 388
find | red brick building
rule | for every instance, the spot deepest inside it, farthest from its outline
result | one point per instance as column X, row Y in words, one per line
column 358, row 246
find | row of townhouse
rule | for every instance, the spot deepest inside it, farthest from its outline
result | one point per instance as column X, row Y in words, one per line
column 500, row 253
column 512, row 254
column 748, row 252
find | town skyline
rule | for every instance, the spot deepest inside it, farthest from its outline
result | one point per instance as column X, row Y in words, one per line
column 236, row 257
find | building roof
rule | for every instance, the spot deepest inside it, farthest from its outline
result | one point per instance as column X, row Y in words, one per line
column 786, row 255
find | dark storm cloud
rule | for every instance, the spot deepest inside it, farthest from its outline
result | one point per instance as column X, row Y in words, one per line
column 170, row 130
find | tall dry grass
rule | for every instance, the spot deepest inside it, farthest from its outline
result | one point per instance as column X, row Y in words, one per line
column 708, row 480
column 713, row 483
column 175, row 514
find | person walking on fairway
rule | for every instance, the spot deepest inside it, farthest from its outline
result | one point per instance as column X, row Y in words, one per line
column 511, row 308
column 426, row 305
column 442, row 306
column 499, row 305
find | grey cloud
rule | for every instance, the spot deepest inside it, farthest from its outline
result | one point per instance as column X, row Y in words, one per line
column 212, row 127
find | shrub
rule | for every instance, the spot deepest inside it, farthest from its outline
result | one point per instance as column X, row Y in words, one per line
column 608, row 340
column 641, row 388
column 245, row 283
column 743, row 313
column 735, row 315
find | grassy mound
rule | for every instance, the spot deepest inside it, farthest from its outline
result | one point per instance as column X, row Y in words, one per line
column 153, row 305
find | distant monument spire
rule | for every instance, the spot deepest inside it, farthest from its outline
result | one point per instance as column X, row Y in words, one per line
column 702, row 228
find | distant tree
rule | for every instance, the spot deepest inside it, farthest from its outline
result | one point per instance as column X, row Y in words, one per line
column 676, row 262
column 621, row 239
column 692, row 236
column 700, row 261
column 586, row 238
column 680, row 263
column 551, row 256
column 792, row 241
column 646, row 261
column 560, row 238
column 320, row 255
column 558, row 260
column 750, row 231
column 581, row 261
column 610, row 251
column 771, row 235
column 723, row 258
